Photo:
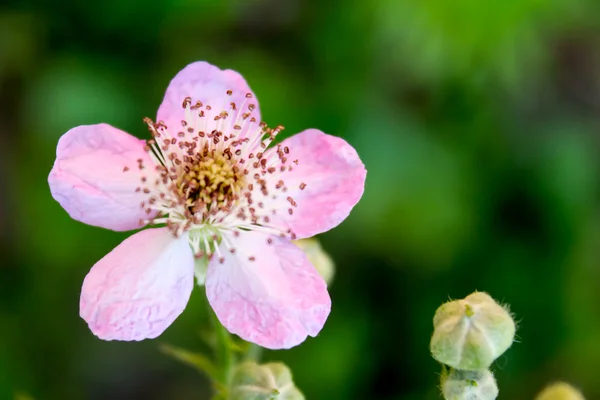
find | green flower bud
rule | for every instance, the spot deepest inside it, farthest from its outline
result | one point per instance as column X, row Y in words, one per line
column 560, row 391
column 263, row 382
column 318, row 257
column 469, row 385
column 470, row 334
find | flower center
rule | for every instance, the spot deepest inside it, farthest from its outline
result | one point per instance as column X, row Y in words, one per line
column 209, row 179
column 213, row 173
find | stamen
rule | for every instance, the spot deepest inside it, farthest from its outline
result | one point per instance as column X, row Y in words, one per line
column 215, row 174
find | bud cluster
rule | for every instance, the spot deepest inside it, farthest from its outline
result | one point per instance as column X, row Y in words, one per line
column 469, row 335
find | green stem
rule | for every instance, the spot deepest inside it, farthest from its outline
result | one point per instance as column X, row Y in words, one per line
column 223, row 350
column 254, row 353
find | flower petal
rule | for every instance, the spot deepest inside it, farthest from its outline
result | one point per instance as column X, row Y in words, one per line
column 206, row 83
column 275, row 300
column 325, row 184
column 137, row 290
column 89, row 179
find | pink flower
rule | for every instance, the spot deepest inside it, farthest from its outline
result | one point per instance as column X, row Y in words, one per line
column 222, row 197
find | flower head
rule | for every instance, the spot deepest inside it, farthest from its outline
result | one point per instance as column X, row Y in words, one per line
column 560, row 391
column 469, row 385
column 471, row 333
column 219, row 193
column 272, row 381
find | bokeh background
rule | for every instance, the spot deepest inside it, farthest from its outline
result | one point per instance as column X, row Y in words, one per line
column 478, row 122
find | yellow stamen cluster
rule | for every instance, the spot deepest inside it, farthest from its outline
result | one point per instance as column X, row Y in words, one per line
column 212, row 181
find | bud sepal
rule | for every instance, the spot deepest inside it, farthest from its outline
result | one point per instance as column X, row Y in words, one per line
column 469, row 385
column 470, row 334
column 271, row 381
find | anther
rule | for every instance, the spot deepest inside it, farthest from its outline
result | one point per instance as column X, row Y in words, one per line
column 292, row 202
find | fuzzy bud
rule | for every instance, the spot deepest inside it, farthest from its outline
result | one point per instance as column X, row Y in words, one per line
column 470, row 334
column 469, row 385
column 560, row 391
column 270, row 381
column 317, row 257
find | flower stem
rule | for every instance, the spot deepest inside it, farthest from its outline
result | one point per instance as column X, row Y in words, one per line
column 254, row 353
column 223, row 350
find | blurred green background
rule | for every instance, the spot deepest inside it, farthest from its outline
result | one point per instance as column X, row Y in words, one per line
column 478, row 122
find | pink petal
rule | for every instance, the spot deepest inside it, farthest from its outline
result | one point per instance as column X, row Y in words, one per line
column 89, row 181
column 276, row 300
column 137, row 290
column 206, row 83
column 334, row 177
